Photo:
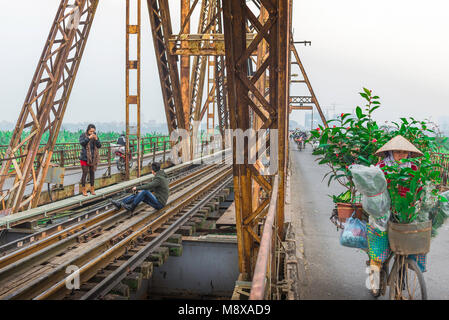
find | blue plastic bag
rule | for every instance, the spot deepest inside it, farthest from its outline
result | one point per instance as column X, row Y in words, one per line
column 354, row 234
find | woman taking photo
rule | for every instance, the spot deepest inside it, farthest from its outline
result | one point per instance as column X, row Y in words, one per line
column 89, row 158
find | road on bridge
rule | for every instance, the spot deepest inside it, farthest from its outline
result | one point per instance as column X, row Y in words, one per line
column 329, row 270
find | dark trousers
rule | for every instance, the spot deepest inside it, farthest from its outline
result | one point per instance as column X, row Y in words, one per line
column 88, row 170
column 145, row 196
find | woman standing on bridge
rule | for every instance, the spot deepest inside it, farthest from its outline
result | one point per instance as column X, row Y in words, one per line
column 89, row 158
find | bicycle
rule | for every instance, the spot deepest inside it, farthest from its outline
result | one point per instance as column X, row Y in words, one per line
column 402, row 279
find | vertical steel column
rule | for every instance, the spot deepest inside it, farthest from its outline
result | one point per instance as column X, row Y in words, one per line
column 185, row 63
column 211, row 97
column 270, row 106
column 283, row 99
column 133, row 31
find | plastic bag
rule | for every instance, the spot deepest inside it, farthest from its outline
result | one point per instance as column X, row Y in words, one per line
column 354, row 234
column 377, row 206
column 369, row 181
column 381, row 223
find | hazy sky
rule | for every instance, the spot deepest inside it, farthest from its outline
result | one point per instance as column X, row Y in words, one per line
column 396, row 48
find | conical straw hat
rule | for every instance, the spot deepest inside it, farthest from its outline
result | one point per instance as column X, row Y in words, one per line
column 399, row 143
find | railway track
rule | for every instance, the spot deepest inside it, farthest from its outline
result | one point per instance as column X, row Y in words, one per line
column 86, row 222
column 38, row 271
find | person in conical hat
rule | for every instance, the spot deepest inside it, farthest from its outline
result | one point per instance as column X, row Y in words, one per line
column 395, row 150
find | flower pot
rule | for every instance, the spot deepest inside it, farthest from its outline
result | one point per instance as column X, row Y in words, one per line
column 345, row 211
column 411, row 238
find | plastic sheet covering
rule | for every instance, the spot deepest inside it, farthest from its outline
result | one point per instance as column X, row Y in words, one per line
column 371, row 183
column 380, row 223
column 377, row 206
column 354, row 234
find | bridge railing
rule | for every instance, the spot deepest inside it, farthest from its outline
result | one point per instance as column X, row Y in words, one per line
column 67, row 154
column 264, row 270
column 443, row 160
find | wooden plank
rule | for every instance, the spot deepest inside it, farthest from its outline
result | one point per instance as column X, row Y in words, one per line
column 228, row 217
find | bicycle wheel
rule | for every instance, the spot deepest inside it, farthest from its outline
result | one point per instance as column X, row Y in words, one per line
column 407, row 282
column 121, row 164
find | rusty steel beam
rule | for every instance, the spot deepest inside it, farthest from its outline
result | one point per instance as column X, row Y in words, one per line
column 220, row 81
column 203, row 44
column 313, row 98
column 167, row 64
column 185, row 63
column 242, row 94
column 200, row 64
column 301, row 107
column 46, row 102
column 133, row 31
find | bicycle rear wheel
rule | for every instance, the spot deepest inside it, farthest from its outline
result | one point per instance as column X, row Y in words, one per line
column 407, row 282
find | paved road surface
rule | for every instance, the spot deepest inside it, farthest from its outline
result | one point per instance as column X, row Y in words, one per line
column 333, row 271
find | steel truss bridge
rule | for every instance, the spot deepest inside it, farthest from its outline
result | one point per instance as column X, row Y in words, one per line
column 232, row 67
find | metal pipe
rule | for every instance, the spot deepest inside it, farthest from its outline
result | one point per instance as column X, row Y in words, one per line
column 265, row 249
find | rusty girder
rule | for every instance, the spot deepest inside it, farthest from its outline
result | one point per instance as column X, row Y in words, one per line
column 275, row 30
column 133, row 100
column 200, row 63
column 220, row 76
column 167, row 64
column 312, row 99
column 46, row 101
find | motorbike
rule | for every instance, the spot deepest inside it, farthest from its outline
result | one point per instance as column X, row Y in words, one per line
column 121, row 159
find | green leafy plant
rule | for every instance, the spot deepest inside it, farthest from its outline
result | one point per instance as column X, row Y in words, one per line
column 406, row 208
column 354, row 138
column 344, row 197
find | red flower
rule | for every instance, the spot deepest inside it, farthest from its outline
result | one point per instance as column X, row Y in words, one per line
column 374, row 140
column 348, row 128
column 334, row 125
column 342, row 115
column 318, row 129
column 336, row 154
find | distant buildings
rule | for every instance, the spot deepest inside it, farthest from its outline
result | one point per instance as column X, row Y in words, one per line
column 308, row 124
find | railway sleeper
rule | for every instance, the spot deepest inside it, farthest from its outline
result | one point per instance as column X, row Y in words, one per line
column 174, row 249
column 121, row 289
column 156, row 259
column 146, row 269
column 175, row 238
column 185, row 230
column 164, row 252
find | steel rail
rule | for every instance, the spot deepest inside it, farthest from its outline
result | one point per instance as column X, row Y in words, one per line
column 45, row 280
column 265, row 249
column 90, row 268
column 85, row 226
